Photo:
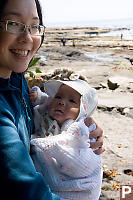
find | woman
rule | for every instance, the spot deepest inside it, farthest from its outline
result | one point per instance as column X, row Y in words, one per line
column 21, row 34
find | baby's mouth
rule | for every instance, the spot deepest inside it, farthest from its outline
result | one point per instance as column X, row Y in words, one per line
column 59, row 111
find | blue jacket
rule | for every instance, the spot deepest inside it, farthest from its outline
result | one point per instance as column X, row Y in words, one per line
column 18, row 177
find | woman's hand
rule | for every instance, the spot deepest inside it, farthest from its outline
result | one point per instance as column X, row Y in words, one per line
column 97, row 134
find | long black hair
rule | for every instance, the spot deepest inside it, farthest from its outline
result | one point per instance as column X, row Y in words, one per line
column 39, row 11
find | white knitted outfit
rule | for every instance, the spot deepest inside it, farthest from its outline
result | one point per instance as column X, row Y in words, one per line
column 70, row 167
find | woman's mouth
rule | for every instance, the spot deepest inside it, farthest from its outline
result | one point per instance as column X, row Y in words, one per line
column 23, row 53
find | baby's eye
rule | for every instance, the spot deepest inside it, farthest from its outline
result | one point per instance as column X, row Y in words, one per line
column 57, row 97
column 72, row 101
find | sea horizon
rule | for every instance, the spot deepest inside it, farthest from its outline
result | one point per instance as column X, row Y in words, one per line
column 104, row 23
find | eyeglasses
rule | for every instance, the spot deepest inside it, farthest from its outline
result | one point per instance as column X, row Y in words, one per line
column 17, row 28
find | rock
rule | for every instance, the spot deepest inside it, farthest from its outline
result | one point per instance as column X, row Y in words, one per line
column 128, row 172
column 38, row 81
column 103, row 85
column 73, row 53
column 106, row 186
column 112, row 85
column 116, row 100
column 121, row 81
column 129, row 112
column 130, row 60
column 59, row 74
column 126, row 111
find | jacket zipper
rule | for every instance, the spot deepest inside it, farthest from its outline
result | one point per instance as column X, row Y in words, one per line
column 26, row 109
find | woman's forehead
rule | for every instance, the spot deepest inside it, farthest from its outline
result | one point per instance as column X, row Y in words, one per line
column 21, row 8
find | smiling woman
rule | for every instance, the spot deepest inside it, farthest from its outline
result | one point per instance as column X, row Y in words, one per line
column 17, row 46
column 21, row 34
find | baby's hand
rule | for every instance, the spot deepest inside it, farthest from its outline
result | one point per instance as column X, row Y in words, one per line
column 33, row 95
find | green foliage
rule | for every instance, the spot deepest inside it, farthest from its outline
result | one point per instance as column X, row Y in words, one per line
column 30, row 73
column 32, row 64
column 38, row 70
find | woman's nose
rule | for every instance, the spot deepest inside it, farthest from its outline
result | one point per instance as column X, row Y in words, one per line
column 25, row 36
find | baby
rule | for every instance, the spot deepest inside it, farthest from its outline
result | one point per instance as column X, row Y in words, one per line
column 69, row 165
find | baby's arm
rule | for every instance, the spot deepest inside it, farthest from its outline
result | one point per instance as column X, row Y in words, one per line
column 83, row 131
column 38, row 97
column 40, row 101
column 33, row 96
column 71, row 151
column 60, row 156
column 78, row 155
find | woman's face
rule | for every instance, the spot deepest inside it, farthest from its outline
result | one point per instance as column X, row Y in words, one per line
column 16, row 50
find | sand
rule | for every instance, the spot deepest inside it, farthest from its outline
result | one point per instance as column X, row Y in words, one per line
column 100, row 59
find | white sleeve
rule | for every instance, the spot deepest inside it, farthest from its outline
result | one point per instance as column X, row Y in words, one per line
column 42, row 96
column 70, row 150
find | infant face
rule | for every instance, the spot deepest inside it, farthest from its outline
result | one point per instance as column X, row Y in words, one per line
column 65, row 105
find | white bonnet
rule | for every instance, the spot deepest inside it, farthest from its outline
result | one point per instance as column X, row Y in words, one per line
column 89, row 98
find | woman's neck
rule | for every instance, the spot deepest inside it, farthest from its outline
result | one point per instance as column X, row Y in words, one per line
column 4, row 75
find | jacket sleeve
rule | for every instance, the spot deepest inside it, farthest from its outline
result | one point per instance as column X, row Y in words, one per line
column 17, row 173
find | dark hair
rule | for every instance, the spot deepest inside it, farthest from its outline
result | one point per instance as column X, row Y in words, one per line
column 39, row 11
column 2, row 6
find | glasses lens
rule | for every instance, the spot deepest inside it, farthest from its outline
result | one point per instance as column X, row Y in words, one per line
column 15, row 27
column 37, row 30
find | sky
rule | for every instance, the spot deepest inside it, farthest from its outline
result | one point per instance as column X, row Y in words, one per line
column 55, row 11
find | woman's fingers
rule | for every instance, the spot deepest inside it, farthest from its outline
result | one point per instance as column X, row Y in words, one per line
column 99, row 151
column 97, row 144
column 98, row 135
column 98, row 132
column 88, row 121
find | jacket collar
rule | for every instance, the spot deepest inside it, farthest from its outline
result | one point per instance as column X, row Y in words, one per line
column 12, row 83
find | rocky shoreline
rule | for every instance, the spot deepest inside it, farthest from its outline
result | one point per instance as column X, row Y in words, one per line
column 106, row 63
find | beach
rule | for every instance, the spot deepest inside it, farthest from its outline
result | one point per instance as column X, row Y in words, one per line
column 106, row 62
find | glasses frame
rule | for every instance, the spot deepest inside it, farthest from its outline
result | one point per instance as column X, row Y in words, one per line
column 25, row 27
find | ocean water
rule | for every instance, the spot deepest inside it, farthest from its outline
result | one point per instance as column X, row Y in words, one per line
column 125, row 24
column 112, row 23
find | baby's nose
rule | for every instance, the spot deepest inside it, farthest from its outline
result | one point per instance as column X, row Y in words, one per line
column 61, row 102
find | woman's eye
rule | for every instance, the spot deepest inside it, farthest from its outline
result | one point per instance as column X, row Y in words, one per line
column 35, row 27
column 13, row 23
